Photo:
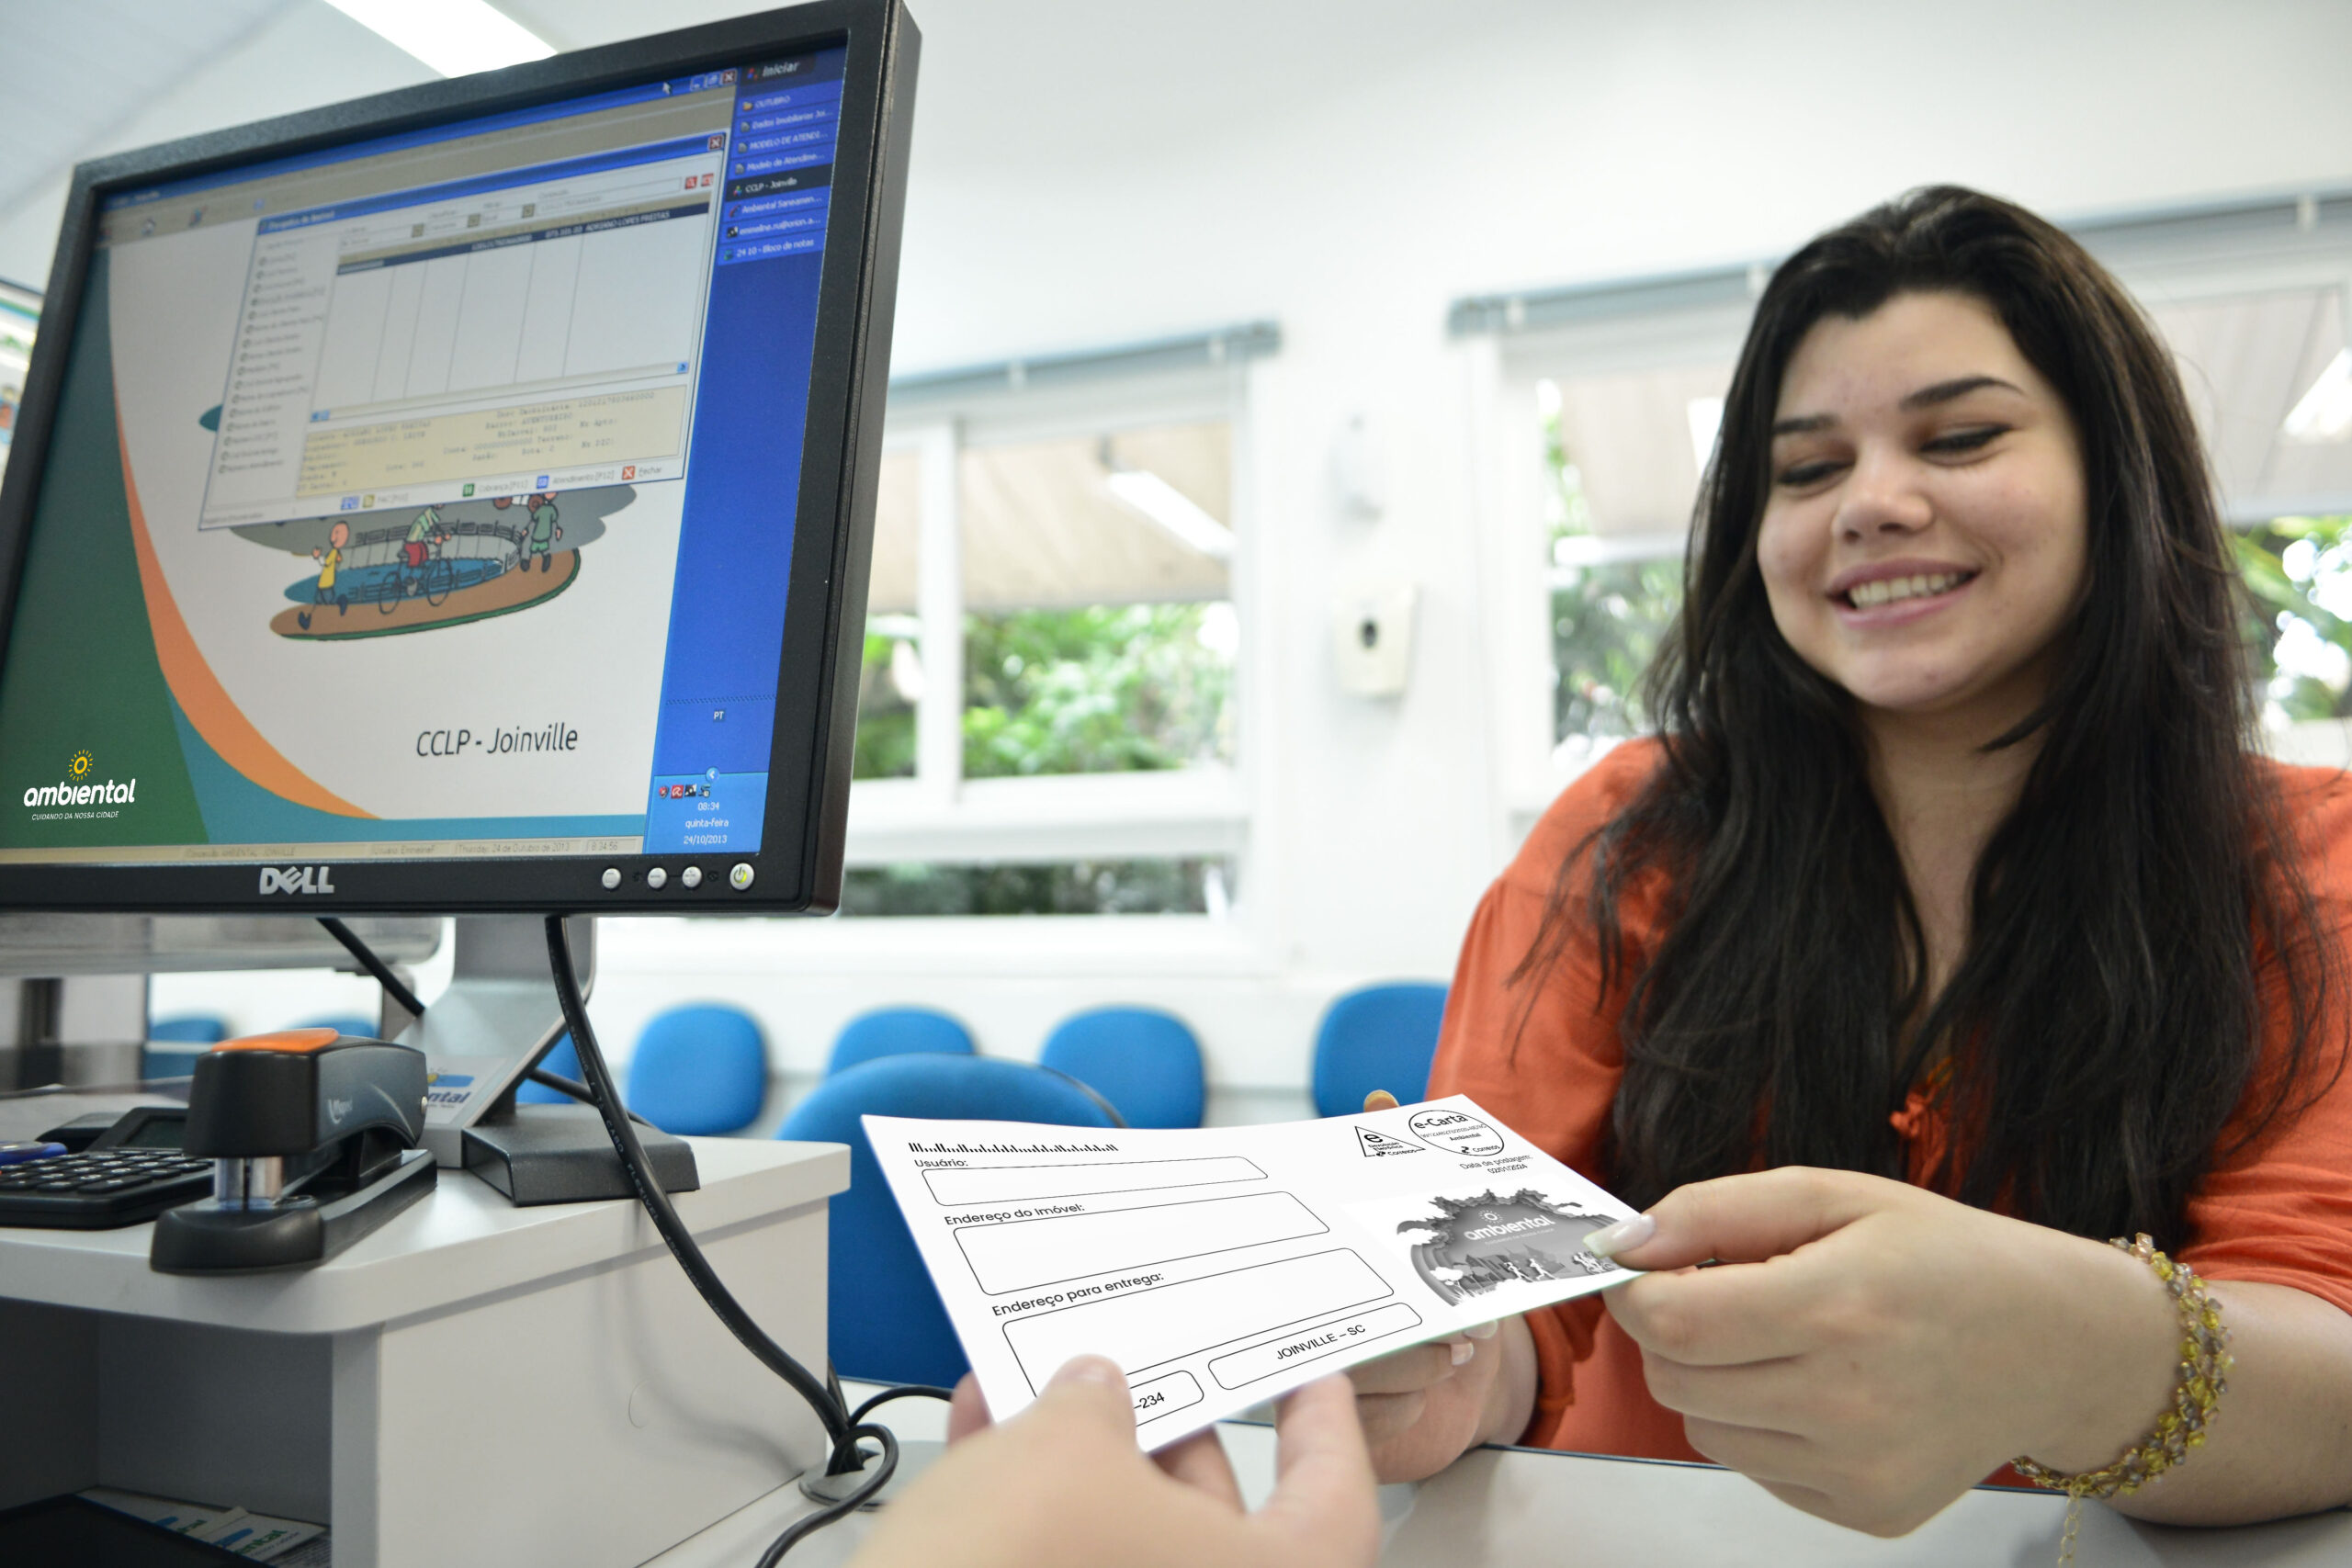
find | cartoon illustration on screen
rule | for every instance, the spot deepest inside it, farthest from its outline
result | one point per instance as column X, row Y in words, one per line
column 329, row 559
column 544, row 531
column 412, row 568
column 1480, row 1243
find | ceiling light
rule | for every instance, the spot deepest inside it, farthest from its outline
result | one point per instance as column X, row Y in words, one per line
column 2324, row 412
column 1160, row 502
column 455, row 38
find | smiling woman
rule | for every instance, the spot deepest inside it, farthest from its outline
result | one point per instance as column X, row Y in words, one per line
column 1948, row 928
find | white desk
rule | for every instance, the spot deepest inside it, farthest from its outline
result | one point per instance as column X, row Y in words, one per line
column 472, row 1383
column 1527, row 1508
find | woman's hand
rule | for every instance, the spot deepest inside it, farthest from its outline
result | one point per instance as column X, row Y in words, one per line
column 1424, row 1407
column 1063, row 1484
column 1868, row 1351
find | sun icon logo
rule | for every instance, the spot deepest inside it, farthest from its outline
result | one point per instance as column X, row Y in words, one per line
column 81, row 764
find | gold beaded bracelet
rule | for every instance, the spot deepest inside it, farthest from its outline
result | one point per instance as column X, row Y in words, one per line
column 2204, row 1369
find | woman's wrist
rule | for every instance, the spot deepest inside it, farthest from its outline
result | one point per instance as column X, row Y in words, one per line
column 2113, row 1341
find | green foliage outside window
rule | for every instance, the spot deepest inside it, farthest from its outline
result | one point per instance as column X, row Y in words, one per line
column 1607, row 622
column 1607, row 616
column 2299, row 572
column 886, row 720
column 1104, row 689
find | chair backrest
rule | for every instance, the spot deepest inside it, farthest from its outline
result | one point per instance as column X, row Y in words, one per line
column 1377, row 1037
column 345, row 1023
column 898, row 1032
column 174, row 1043
column 1144, row 1062
column 190, row 1029
column 563, row 1061
column 886, row 1322
column 701, row 1069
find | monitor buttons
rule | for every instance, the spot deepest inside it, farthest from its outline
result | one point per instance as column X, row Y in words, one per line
column 691, row 877
column 612, row 877
column 740, row 877
column 656, row 878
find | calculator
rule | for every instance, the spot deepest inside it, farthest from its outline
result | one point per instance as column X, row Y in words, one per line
column 133, row 1172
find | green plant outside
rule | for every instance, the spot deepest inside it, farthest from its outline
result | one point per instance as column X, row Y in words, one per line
column 1123, row 688
column 2295, row 568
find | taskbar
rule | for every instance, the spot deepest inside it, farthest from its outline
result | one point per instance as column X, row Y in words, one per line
column 258, row 854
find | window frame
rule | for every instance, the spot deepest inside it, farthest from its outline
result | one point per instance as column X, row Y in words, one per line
column 938, row 814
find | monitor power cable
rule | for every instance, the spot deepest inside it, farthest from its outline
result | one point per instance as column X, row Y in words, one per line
column 844, row 1428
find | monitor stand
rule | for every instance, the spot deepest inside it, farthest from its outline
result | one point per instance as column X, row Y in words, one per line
column 499, row 1016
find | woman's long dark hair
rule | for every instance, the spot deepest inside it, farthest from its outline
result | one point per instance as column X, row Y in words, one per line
column 2105, row 1021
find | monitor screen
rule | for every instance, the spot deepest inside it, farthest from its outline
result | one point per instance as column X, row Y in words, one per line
column 435, row 497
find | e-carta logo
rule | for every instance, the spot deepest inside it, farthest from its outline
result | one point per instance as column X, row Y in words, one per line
column 75, row 788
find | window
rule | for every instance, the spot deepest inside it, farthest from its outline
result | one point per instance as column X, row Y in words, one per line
column 1050, row 716
column 19, row 318
column 1621, row 458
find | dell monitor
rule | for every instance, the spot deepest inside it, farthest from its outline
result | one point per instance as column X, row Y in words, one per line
column 460, row 501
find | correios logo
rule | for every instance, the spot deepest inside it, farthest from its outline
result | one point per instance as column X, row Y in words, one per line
column 295, row 879
column 78, row 788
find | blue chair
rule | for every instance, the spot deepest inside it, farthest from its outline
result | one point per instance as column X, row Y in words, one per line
column 886, row 1324
column 174, row 1043
column 898, row 1032
column 699, row 1070
column 1378, row 1037
column 1144, row 1062
column 190, row 1029
column 562, row 1060
column 345, row 1023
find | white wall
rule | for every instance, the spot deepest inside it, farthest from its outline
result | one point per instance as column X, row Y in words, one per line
column 1090, row 174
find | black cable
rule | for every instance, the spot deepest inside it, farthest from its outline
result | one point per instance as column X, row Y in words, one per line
column 801, row 1528
column 673, row 1231
column 374, row 965
column 910, row 1391
column 578, row 1092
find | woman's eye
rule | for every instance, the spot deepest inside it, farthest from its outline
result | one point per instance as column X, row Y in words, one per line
column 1961, row 441
column 1798, row 475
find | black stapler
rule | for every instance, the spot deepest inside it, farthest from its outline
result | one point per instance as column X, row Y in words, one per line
column 313, row 1138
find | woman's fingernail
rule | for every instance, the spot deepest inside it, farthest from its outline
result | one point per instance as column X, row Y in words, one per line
column 1462, row 1348
column 1482, row 1330
column 1622, row 1236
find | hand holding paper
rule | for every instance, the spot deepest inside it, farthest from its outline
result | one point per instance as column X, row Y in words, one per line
column 1220, row 1267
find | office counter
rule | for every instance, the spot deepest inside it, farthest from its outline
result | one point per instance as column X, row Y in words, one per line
column 472, row 1383
column 478, row 1384
column 1529, row 1508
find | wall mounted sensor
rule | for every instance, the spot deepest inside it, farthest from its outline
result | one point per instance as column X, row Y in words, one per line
column 1372, row 638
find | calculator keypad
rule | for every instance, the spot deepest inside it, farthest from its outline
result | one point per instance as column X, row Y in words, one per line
column 99, row 1187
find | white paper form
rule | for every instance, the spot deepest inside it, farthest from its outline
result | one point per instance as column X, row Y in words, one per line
column 1222, row 1266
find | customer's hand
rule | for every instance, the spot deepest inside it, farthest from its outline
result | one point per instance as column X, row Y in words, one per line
column 1063, row 1484
column 1868, row 1351
column 1424, row 1407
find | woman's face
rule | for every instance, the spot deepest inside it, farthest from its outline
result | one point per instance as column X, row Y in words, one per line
column 1924, row 538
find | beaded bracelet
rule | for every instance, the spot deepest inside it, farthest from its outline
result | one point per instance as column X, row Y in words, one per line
column 2204, row 1369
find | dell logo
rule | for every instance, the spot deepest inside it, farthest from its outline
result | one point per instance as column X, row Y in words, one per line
column 295, row 879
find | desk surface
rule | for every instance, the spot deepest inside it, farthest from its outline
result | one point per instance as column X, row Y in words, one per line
column 1508, row 1508
column 463, row 1241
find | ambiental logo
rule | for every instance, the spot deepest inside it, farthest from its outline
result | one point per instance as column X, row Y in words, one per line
column 295, row 879
column 75, row 790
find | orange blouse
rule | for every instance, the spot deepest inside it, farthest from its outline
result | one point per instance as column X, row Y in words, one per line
column 2280, row 1214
